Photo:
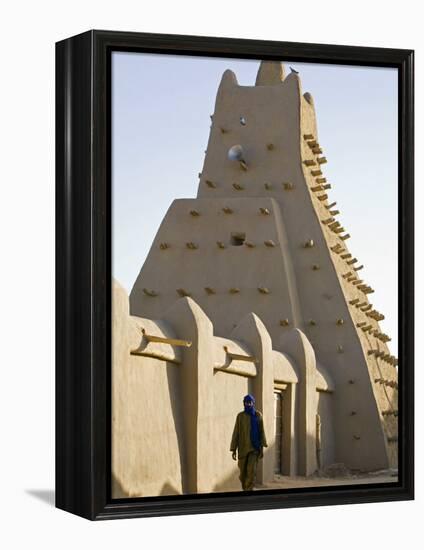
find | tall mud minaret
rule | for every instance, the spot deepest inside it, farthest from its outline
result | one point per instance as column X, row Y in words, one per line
column 264, row 235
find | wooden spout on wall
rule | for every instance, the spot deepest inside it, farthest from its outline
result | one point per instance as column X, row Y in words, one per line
column 263, row 290
column 182, row 292
column 164, row 340
column 150, row 293
column 238, row 187
column 334, row 225
column 264, row 211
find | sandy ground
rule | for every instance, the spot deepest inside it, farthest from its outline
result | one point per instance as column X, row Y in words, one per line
column 284, row 482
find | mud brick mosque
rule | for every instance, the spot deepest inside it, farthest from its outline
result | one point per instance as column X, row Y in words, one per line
column 250, row 288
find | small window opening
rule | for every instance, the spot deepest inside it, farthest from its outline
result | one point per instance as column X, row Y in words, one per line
column 237, row 239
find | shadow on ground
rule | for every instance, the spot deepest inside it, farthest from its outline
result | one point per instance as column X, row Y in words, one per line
column 45, row 495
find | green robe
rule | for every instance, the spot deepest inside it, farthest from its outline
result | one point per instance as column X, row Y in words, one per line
column 241, row 434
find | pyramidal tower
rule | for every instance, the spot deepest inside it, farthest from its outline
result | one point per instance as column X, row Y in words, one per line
column 264, row 235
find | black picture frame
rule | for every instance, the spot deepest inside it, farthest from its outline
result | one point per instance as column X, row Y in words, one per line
column 83, row 274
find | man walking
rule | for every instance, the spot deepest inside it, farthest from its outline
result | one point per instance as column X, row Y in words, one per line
column 249, row 439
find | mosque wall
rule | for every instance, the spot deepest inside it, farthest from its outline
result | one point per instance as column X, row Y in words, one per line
column 147, row 430
column 177, row 389
column 258, row 267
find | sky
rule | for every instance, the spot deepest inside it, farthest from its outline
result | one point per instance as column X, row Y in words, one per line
column 161, row 107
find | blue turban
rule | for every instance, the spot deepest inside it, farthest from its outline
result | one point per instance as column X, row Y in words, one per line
column 254, row 422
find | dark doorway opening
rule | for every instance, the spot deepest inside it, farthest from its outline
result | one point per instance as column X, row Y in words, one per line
column 278, row 416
